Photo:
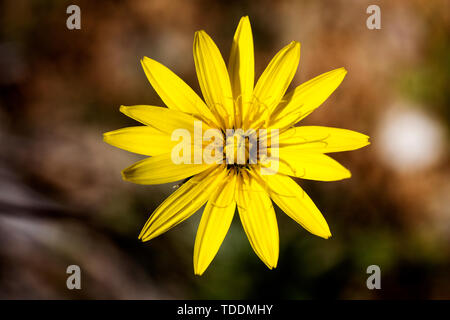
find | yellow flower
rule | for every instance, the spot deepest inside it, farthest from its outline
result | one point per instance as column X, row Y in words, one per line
column 232, row 102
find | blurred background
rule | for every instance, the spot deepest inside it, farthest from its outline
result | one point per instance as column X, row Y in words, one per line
column 62, row 200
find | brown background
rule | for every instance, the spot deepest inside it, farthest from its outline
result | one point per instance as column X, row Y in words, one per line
column 62, row 200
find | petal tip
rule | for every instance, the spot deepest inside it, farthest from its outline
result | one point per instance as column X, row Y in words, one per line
column 323, row 231
column 199, row 33
column 123, row 174
column 341, row 73
column 105, row 135
column 198, row 271
column 347, row 174
column 245, row 19
column 146, row 234
column 141, row 234
column 199, row 37
column 326, row 234
column 123, row 109
column 295, row 45
column 271, row 264
column 147, row 63
column 108, row 137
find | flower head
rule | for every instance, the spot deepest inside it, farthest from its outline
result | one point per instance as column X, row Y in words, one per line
column 247, row 132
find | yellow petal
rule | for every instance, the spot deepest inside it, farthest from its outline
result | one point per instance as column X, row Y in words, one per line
column 312, row 166
column 304, row 99
column 163, row 119
column 241, row 68
column 182, row 203
column 160, row 169
column 276, row 78
column 214, row 225
column 258, row 219
column 321, row 139
column 175, row 93
column 213, row 77
column 291, row 198
column 143, row 140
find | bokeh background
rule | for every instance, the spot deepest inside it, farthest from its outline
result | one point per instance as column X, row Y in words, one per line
column 62, row 200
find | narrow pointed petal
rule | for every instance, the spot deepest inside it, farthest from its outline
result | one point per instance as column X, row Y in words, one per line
column 213, row 77
column 143, row 140
column 312, row 166
column 161, row 169
column 258, row 219
column 291, row 198
column 275, row 80
column 214, row 225
column 175, row 93
column 241, row 68
column 304, row 99
column 163, row 119
column 182, row 203
column 317, row 139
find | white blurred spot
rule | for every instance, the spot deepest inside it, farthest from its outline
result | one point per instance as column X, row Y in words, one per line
column 408, row 139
